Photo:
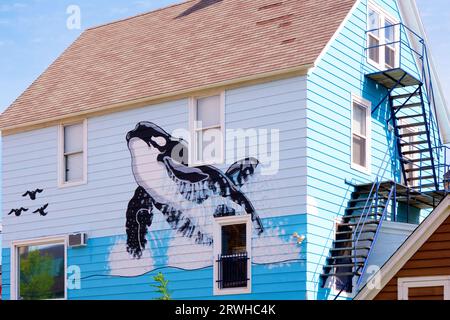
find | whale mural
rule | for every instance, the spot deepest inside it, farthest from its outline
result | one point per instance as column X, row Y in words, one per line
column 156, row 156
column 169, row 218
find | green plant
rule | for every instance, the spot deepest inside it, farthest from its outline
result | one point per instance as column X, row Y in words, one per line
column 36, row 279
column 161, row 287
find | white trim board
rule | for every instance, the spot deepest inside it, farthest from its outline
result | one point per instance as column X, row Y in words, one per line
column 404, row 284
column 407, row 250
column 35, row 241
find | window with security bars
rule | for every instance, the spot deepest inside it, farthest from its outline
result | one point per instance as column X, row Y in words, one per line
column 233, row 261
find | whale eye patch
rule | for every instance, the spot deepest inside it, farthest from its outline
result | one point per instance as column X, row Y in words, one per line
column 160, row 141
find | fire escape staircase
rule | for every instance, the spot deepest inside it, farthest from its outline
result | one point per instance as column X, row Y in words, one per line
column 414, row 128
column 425, row 176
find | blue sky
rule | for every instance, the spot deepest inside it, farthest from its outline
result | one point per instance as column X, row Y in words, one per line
column 33, row 33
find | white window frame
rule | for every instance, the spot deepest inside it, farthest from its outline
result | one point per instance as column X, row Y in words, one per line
column 368, row 105
column 194, row 130
column 62, row 183
column 14, row 263
column 383, row 16
column 217, row 234
column 403, row 285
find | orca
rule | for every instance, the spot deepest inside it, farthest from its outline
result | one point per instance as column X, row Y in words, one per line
column 163, row 175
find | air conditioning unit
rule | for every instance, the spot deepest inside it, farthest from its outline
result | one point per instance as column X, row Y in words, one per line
column 77, row 240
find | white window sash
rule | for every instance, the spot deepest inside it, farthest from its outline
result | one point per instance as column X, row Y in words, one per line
column 62, row 155
column 383, row 17
column 196, row 130
column 14, row 262
column 356, row 100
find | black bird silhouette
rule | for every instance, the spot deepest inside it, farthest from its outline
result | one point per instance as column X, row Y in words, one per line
column 32, row 194
column 18, row 212
column 41, row 211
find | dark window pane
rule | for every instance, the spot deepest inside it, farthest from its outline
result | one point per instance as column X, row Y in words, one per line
column 41, row 272
column 234, row 239
column 389, row 57
column 374, row 52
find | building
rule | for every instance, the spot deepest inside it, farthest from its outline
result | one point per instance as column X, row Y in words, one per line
column 245, row 149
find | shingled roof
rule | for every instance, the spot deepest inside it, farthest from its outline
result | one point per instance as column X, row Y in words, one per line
column 177, row 48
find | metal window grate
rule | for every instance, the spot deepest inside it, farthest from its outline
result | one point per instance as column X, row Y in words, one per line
column 233, row 270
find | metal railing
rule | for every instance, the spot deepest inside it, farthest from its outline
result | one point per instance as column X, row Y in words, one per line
column 372, row 197
column 392, row 195
column 403, row 39
column 233, row 270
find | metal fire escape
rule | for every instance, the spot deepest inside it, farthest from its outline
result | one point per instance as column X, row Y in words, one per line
column 424, row 169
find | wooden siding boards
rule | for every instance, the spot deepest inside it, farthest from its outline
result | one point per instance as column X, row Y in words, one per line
column 432, row 259
column 308, row 193
column 331, row 83
column 99, row 206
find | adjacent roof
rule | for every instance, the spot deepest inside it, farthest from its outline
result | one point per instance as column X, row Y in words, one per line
column 174, row 49
column 407, row 250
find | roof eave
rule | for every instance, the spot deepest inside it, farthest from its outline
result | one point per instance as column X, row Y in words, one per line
column 136, row 103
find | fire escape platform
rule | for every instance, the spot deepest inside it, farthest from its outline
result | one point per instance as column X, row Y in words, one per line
column 406, row 195
column 394, row 78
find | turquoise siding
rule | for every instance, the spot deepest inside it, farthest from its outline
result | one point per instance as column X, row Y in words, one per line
column 339, row 74
column 98, row 281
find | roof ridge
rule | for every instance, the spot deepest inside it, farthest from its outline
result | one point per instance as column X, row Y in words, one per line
column 139, row 15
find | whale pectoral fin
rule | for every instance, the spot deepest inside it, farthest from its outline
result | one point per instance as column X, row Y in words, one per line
column 240, row 171
column 184, row 173
column 139, row 218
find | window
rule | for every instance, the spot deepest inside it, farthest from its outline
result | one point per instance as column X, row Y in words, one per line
column 39, row 270
column 232, row 251
column 382, row 39
column 360, row 146
column 72, row 155
column 424, row 288
column 207, row 128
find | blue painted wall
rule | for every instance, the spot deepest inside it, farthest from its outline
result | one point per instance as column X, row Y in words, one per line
column 339, row 74
column 98, row 207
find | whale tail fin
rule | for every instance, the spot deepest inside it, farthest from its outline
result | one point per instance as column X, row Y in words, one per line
column 139, row 218
column 240, row 171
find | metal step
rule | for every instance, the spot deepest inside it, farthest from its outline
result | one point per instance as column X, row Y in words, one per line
column 352, row 231
column 373, row 214
column 424, row 186
column 360, row 224
column 350, row 248
column 414, row 143
column 333, row 274
column 351, row 240
column 410, row 116
column 364, row 207
column 352, row 256
column 411, row 125
column 412, row 134
column 404, row 160
column 415, row 151
column 406, row 95
column 420, row 178
column 409, row 105
column 343, row 265
column 420, row 169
